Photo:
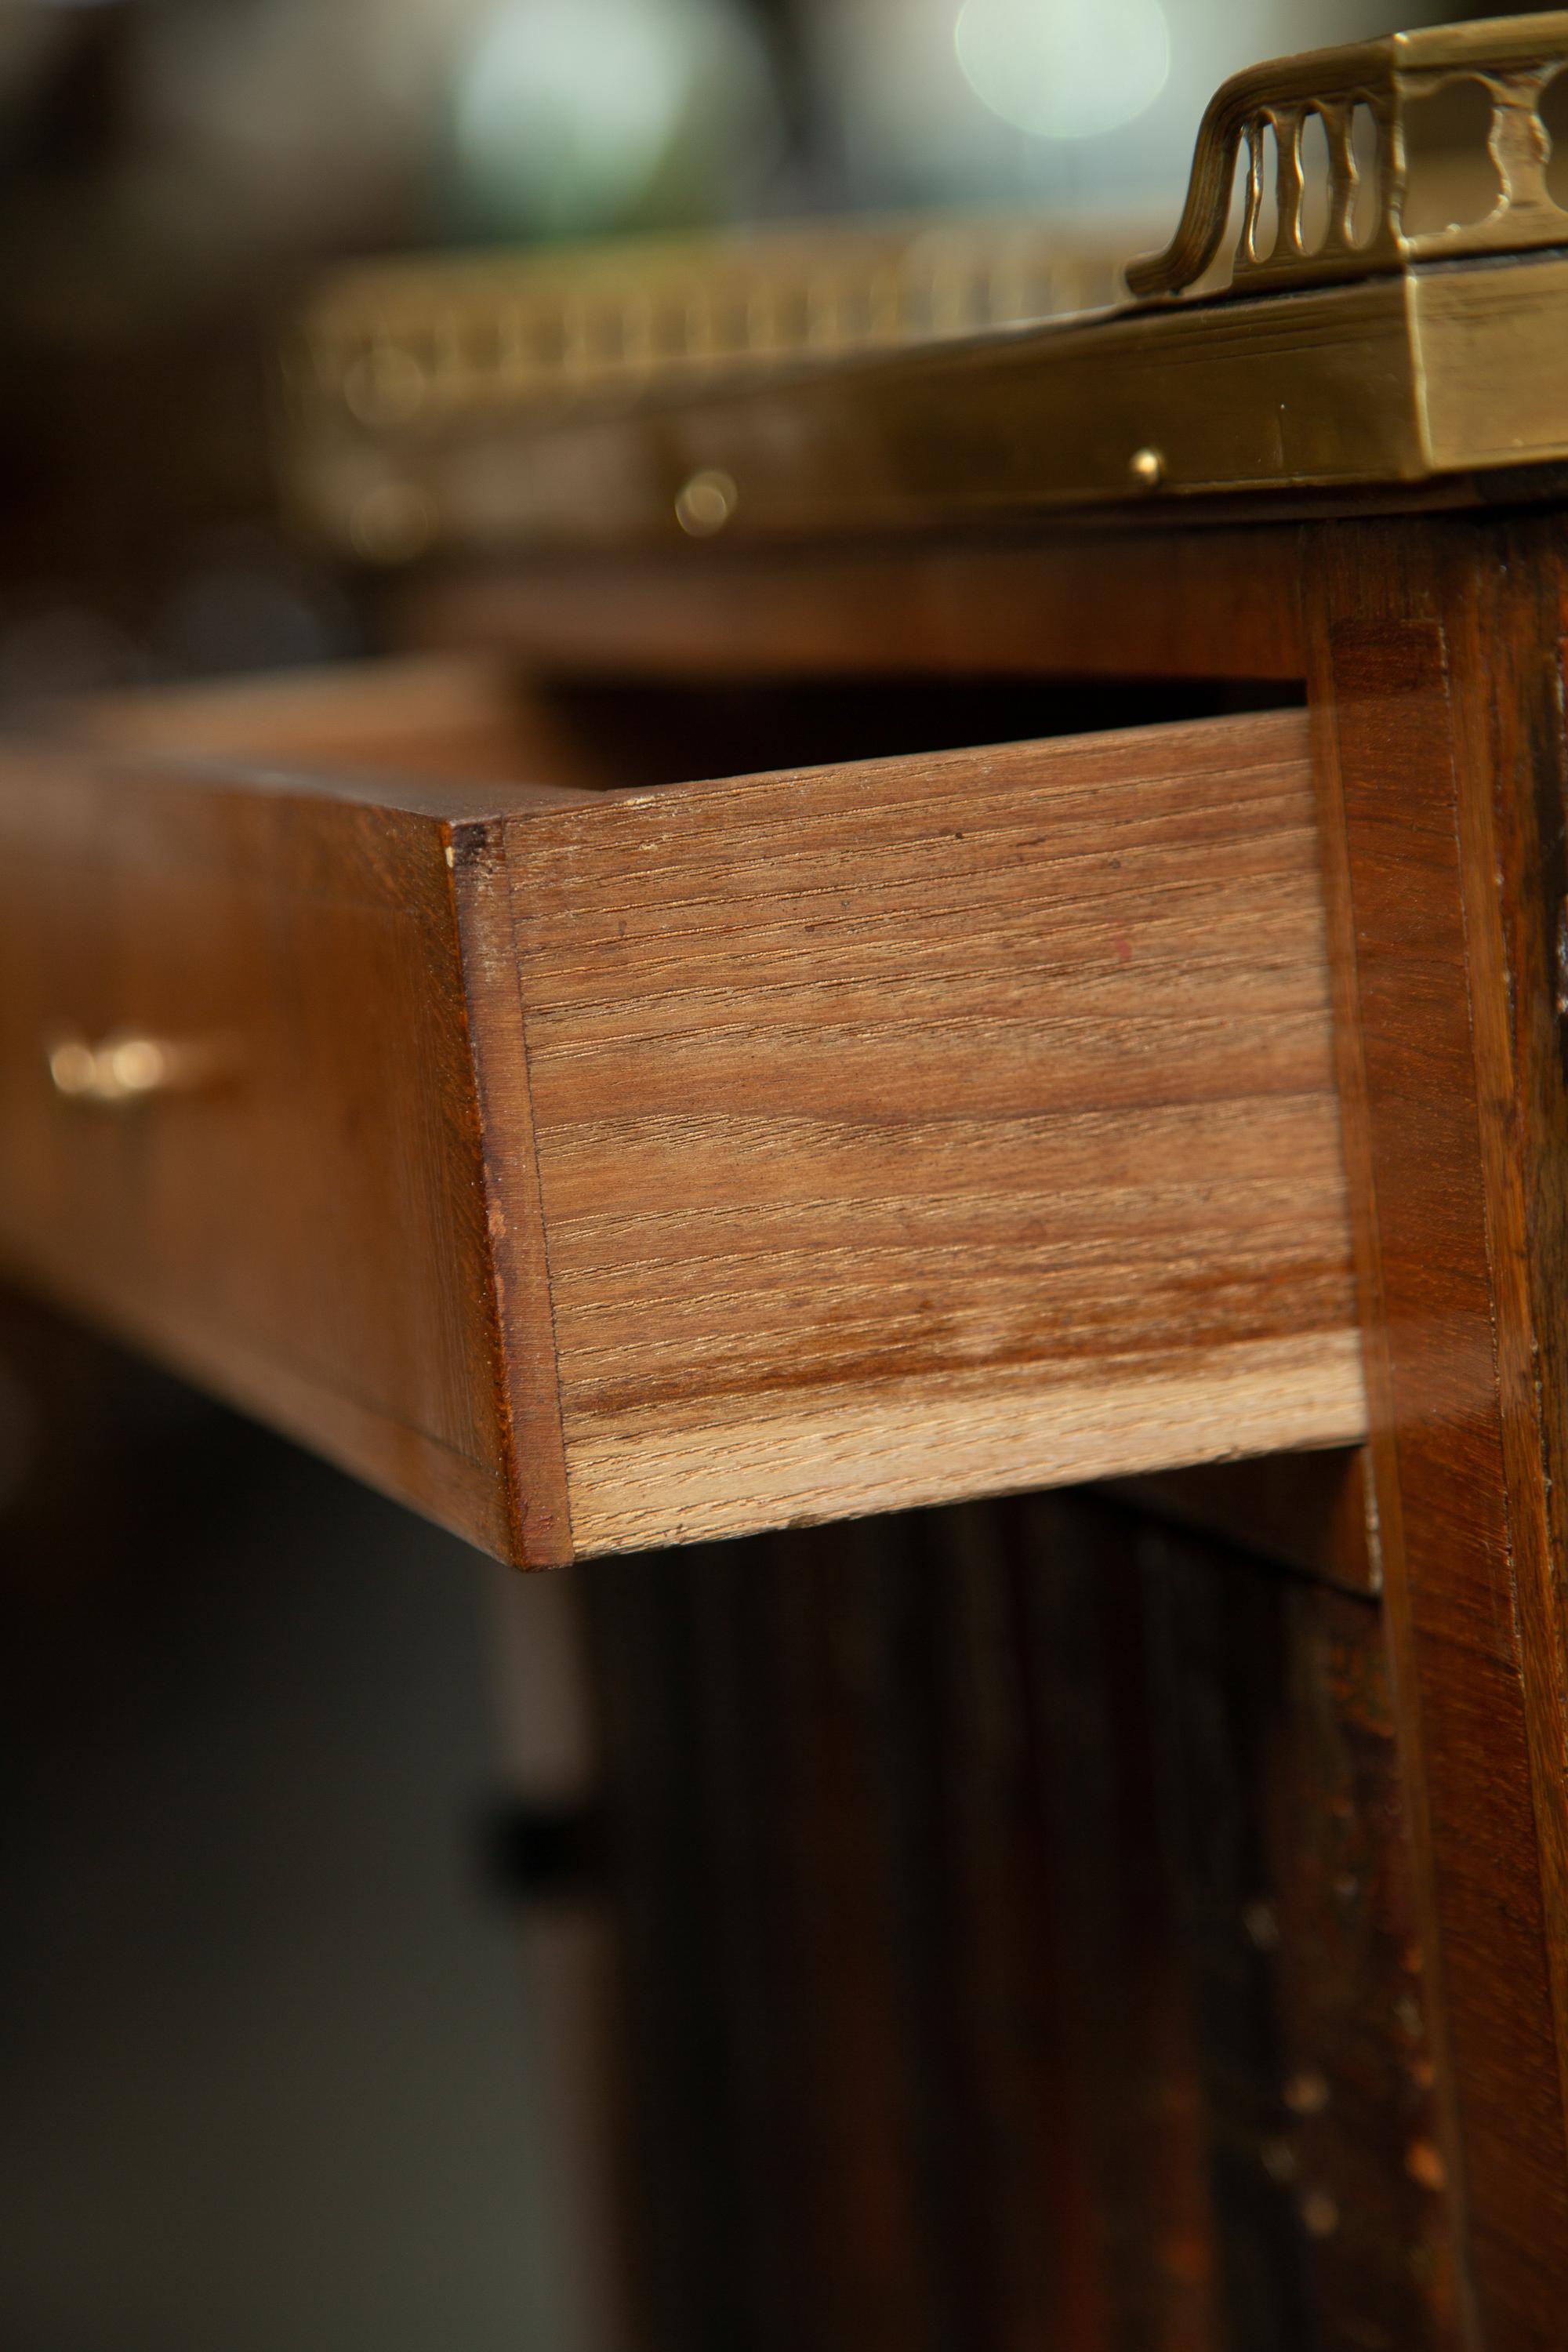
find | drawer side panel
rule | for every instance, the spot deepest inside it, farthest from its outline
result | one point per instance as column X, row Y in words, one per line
column 935, row 1127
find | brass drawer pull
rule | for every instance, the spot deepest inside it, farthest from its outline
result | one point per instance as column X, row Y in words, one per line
column 126, row 1068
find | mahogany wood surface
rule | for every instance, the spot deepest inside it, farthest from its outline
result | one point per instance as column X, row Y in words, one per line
column 1020, row 1946
column 602, row 1169
column 1212, row 602
column 306, row 1233
column 1438, row 686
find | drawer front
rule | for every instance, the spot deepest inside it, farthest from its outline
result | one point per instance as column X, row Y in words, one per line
column 296, row 1213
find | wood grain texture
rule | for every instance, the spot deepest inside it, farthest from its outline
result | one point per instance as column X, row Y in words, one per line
column 525, row 1356
column 930, row 1128
column 602, row 1169
column 1438, row 695
column 308, row 1234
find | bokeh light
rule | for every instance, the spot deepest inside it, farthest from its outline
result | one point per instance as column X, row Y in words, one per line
column 610, row 113
column 1065, row 68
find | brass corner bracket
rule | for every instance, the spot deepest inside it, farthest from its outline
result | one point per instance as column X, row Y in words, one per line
column 1513, row 58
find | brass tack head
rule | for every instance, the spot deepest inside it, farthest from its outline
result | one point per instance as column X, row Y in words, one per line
column 706, row 503
column 1147, row 469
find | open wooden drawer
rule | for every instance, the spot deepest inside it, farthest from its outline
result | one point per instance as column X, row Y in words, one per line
column 597, row 1168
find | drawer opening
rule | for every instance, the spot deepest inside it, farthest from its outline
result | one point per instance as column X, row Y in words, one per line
column 634, row 732
column 477, row 719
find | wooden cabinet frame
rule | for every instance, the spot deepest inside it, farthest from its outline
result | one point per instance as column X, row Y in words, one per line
column 1430, row 645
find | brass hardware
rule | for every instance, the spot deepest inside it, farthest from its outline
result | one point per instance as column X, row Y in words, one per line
column 1384, row 386
column 705, row 504
column 1513, row 58
column 597, row 403
column 126, row 1068
column 397, row 348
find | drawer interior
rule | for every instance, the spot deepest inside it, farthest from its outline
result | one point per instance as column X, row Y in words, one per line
column 479, row 719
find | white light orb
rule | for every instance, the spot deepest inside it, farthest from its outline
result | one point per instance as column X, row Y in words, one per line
column 1065, row 68
column 569, row 117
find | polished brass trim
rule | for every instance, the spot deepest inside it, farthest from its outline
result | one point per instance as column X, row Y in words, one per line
column 1514, row 58
column 397, row 346
column 713, row 389
column 1397, row 382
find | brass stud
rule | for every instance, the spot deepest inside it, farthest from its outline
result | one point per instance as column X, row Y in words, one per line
column 706, row 503
column 1147, row 469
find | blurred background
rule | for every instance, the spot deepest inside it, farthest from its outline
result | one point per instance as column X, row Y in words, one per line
column 274, row 2072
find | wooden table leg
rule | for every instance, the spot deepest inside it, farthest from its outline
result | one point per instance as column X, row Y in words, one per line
column 1436, row 684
